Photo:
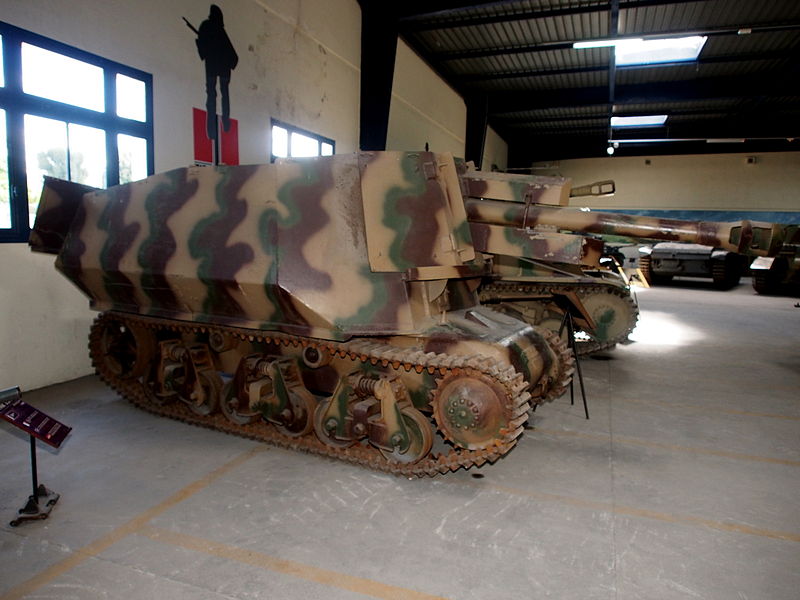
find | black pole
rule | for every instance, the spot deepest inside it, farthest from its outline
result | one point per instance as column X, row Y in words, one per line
column 33, row 470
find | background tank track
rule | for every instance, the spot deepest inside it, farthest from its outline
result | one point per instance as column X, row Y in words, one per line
column 367, row 352
column 495, row 291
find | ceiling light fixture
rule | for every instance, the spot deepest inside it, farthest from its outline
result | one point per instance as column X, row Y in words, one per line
column 603, row 43
column 639, row 121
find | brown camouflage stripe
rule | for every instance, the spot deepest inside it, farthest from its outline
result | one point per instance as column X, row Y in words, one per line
column 121, row 235
column 160, row 245
column 219, row 262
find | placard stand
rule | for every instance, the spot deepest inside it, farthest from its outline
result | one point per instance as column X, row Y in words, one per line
column 41, row 502
column 37, row 425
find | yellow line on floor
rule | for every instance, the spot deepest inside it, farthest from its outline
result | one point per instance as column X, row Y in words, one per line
column 604, row 437
column 709, row 409
column 335, row 579
column 100, row 545
column 630, row 511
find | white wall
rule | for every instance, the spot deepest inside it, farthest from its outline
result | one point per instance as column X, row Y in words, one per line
column 424, row 109
column 495, row 151
column 718, row 182
column 298, row 62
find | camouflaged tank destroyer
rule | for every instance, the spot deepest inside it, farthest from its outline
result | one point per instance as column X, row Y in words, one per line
column 779, row 271
column 539, row 272
column 323, row 304
column 546, row 256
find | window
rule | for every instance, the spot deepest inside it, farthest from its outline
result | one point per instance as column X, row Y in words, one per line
column 288, row 140
column 67, row 114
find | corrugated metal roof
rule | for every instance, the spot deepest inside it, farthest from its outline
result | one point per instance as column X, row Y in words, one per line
column 543, row 93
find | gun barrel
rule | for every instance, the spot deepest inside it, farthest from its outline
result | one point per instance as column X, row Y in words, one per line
column 190, row 26
column 735, row 236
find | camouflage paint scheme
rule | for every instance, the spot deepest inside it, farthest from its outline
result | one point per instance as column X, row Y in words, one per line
column 779, row 271
column 251, row 246
column 737, row 236
column 542, row 250
column 539, row 271
column 333, row 296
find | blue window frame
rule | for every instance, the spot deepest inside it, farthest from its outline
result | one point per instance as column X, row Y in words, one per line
column 95, row 128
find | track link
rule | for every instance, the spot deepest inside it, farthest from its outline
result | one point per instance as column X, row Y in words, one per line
column 497, row 291
column 366, row 352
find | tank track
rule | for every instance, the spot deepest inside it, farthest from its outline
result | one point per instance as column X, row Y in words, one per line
column 496, row 290
column 364, row 351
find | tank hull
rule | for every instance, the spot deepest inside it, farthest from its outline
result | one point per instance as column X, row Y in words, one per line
column 327, row 305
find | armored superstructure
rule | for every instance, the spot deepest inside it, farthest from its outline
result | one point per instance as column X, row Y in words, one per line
column 321, row 304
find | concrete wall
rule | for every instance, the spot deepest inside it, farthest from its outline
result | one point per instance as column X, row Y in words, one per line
column 766, row 187
column 298, row 62
column 424, row 109
column 495, row 151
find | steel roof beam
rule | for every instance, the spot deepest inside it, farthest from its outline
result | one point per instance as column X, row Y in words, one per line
column 454, row 18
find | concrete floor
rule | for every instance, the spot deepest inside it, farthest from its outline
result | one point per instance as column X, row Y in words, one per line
column 683, row 484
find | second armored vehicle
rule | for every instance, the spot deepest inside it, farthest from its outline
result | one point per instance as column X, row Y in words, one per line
column 779, row 273
column 661, row 262
column 539, row 272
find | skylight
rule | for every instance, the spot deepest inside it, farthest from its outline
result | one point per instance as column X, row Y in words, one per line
column 648, row 52
column 639, row 121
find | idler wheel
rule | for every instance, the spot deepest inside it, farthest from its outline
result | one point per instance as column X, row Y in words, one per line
column 472, row 410
column 611, row 314
column 125, row 351
column 421, row 438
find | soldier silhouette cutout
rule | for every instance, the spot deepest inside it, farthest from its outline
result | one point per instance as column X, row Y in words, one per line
column 220, row 59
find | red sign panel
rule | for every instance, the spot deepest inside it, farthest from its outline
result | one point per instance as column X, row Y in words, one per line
column 229, row 144
column 203, row 145
column 34, row 422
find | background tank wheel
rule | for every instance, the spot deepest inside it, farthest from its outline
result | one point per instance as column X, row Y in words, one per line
column 764, row 284
column 302, row 411
column 211, row 386
column 421, row 434
column 322, row 432
column 229, row 404
column 646, row 267
column 768, row 281
column 726, row 273
column 124, row 351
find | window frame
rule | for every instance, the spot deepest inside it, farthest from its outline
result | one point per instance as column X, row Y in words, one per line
column 16, row 104
column 321, row 139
